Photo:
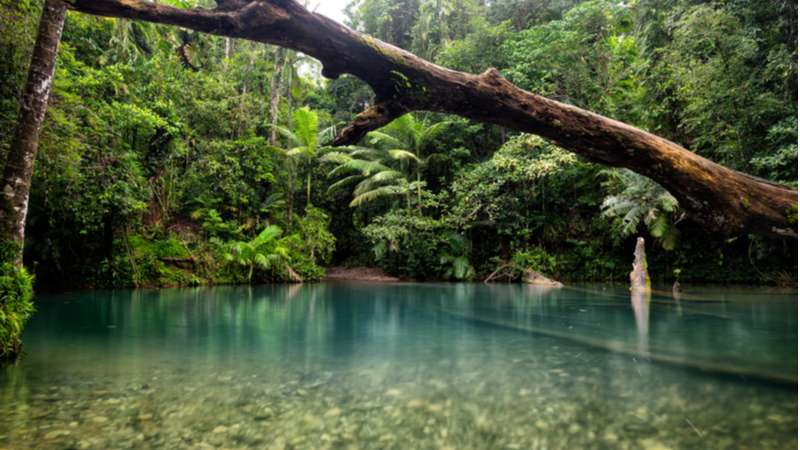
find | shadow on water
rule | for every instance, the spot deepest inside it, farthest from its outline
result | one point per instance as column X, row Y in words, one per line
column 736, row 334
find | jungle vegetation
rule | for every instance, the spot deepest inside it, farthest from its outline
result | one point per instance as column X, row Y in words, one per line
column 171, row 158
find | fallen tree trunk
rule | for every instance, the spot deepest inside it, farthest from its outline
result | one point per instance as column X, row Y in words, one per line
column 721, row 199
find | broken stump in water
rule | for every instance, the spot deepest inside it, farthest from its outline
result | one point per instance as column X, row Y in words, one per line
column 677, row 290
column 640, row 295
column 640, row 279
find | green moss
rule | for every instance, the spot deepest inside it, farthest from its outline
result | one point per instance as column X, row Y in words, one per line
column 791, row 215
column 746, row 202
column 16, row 307
column 148, row 263
column 9, row 250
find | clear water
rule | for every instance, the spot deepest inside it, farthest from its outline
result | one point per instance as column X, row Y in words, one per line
column 405, row 366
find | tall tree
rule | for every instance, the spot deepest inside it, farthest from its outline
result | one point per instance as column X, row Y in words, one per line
column 407, row 133
column 304, row 141
column 275, row 93
column 22, row 155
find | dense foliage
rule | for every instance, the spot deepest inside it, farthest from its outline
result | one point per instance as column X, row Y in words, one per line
column 174, row 158
column 16, row 307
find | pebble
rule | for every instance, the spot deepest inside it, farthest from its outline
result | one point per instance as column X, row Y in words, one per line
column 415, row 403
column 265, row 414
column 393, row 393
column 435, row 407
column 56, row 434
column 333, row 412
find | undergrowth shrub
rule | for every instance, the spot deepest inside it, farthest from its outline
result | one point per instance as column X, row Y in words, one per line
column 16, row 307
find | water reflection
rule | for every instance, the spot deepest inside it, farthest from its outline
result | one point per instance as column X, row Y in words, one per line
column 640, row 300
column 343, row 322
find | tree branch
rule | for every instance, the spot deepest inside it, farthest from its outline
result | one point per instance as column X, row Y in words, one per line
column 370, row 119
column 719, row 198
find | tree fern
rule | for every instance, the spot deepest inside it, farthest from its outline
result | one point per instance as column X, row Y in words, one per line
column 640, row 201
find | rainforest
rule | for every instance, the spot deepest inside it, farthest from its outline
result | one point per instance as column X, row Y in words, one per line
column 204, row 154
column 174, row 158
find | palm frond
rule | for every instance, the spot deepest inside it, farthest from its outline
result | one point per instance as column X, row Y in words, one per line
column 433, row 131
column 335, row 157
column 402, row 155
column 297, row 151
column 327, row 135
column 379, row 179
column 287, row 134
column 379, row 137
column 367, row 168
column 344, row 182
column 306, row 126
column 269, row 233
column 381, row 192
column 387, row 175
column 368, row 153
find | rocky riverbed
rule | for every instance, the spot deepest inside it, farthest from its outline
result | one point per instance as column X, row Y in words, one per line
column 524, row 404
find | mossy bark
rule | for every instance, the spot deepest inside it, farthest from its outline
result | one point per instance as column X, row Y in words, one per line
column 721, row 199
column 22, row 155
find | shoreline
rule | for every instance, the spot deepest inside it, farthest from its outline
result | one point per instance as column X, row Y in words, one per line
column 369, row 274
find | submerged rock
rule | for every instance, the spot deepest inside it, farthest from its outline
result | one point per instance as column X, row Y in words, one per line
column 333, row 412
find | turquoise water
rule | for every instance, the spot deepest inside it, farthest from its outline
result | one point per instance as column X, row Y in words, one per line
column 405, row 366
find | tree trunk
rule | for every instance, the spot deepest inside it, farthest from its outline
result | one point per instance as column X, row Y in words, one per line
column 721, row 199
column 22, row 155
column 308, row 189
column 275, row 94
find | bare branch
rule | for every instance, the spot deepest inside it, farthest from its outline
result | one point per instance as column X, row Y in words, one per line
column 368, row 120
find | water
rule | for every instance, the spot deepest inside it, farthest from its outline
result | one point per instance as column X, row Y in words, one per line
column 407, row 366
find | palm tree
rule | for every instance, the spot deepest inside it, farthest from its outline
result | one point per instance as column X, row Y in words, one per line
column 305, row 140
column 407, row 134
column 379, row 173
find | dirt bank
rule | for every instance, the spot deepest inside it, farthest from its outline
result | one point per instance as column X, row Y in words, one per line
column 359, row 274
